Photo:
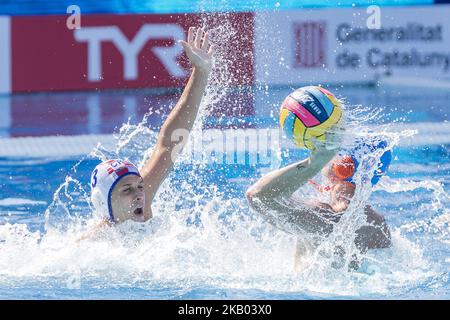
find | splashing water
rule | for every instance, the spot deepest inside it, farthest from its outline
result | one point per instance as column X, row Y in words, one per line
column 205, row 241
column 202, row 238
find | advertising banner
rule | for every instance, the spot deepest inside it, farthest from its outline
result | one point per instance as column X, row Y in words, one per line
column 112, row 51
column 283, row 47
column 352, row 44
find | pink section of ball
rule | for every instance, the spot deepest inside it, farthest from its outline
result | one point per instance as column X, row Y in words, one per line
column 307, row 118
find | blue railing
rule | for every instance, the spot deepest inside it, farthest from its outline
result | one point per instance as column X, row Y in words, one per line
column 43, row 7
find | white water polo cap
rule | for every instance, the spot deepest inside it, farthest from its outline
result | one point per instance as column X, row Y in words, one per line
column 103, row 179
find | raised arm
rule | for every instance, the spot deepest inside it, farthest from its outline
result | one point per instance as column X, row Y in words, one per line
column 265, row 194
column 283, row 182
column 181, row 119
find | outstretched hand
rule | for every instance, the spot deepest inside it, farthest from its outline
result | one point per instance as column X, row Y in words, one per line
column 198, row 49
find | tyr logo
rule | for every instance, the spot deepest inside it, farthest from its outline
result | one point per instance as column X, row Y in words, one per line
column 94, row 36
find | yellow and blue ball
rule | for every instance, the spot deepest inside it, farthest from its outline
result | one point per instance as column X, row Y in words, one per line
column 309, row 112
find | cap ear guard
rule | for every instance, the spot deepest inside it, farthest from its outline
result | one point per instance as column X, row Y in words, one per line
column 383, row 166
column 100, row 205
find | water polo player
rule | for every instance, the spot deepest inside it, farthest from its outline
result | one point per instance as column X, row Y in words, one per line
column 120, row 191
column 270, row 195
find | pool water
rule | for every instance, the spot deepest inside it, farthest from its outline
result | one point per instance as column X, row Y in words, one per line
column 205, row 242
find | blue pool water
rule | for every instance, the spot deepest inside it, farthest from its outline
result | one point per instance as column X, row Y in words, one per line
column 205, row 242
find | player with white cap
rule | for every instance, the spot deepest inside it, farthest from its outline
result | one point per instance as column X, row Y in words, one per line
column 121, row 191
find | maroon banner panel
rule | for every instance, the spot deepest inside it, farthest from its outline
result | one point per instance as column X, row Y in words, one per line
column 123, row 51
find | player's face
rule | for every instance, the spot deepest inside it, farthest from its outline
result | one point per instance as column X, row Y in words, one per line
column 340, row 191
column 128, row 200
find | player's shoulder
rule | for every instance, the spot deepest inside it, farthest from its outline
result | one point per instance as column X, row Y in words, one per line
column 373, row 216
